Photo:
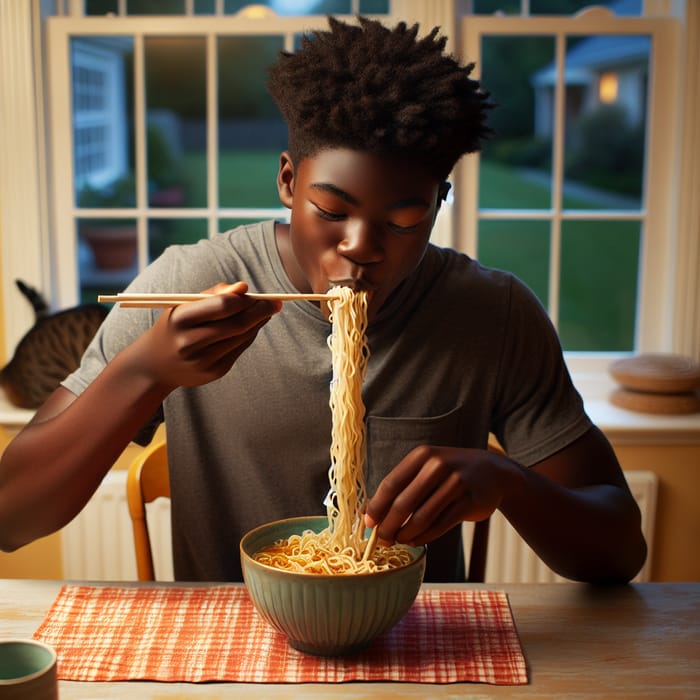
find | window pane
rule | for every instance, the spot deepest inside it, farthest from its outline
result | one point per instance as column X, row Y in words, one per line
column 165, row 232
column 293, row 7
column 571, row 7
column 606, row 97
column 204, row 7
column 521, row 247
column 107, row 255
column 374, row 7
column 101, row 84
column 251, row 131
column 176, row 113
column 490, row 7
column 101, row 7
column 155, row 7
column 599, row 275
column 553, row 7
column 516, row 164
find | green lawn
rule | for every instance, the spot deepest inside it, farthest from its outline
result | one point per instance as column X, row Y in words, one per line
column 599, row 261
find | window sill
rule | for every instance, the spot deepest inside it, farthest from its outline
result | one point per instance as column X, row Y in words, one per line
column 620, row 426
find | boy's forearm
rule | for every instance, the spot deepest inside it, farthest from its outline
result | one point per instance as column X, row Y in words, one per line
column 49, row 471
column 590, row 533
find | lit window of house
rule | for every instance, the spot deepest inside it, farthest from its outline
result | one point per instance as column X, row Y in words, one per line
column 607, row 88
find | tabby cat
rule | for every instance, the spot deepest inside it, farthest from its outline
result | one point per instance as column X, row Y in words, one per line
column 50, row 350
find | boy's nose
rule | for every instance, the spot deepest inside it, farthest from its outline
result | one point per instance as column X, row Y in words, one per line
column 361, row 244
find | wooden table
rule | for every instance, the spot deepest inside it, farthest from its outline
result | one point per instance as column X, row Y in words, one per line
column 637, row 641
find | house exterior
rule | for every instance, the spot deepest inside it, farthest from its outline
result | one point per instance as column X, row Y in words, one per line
column 600, row 70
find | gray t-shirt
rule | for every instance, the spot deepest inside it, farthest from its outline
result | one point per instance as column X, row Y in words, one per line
column 459, row 351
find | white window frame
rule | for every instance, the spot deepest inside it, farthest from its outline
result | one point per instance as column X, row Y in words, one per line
column 655, row 302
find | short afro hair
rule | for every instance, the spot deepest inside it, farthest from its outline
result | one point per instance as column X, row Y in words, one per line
column 368, row 87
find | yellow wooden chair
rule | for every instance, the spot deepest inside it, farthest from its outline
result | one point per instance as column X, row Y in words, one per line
column 147, row 480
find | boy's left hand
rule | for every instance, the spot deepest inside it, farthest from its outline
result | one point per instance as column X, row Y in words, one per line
column 435, row 488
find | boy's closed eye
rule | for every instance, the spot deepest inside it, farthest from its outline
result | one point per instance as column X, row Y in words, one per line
column 328, row 214
column 407, row 219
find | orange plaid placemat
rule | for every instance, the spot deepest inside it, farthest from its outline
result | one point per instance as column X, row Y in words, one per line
column 108, row 633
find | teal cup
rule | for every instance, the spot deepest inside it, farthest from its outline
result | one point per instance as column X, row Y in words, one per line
column 27, row 670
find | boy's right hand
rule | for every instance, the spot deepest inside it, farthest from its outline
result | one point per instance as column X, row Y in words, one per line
column 197, row 342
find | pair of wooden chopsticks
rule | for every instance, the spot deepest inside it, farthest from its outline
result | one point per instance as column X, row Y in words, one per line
column 155, row 301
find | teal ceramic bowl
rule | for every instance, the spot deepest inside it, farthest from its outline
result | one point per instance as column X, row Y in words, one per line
column 326, row 615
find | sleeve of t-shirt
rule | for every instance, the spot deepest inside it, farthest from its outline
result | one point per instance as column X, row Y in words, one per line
column 538, row 411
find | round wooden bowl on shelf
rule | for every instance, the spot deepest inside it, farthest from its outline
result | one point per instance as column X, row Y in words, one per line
column 657, row 383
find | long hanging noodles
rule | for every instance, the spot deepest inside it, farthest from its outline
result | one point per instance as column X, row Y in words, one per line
column 338, row 549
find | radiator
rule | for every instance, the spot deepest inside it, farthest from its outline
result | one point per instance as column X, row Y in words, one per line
column 98, row 543
column 511, row 560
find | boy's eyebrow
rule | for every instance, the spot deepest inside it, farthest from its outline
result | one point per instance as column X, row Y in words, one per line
column 328, row 187
column 345, row 196
column 410, row 202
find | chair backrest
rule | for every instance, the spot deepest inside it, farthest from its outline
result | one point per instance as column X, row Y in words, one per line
column 476, row 572
column 147, row 480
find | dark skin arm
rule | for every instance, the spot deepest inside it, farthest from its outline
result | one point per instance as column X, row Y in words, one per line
column 574, row 508
column 51, row 468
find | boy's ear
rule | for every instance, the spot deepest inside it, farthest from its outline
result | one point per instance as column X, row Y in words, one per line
column 443, row 191
column 285, row 180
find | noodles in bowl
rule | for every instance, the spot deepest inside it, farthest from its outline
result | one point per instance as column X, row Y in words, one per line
column 308, row 576
column 311, row 553
column 327, row 614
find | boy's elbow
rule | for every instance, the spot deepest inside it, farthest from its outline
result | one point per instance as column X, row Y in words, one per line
column 615, row 568
column 9, row 542
column 8, row 547
column 13, row 535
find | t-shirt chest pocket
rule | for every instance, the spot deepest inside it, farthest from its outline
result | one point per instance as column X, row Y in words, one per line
column 389, row 440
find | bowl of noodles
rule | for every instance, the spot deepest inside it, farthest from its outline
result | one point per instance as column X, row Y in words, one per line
column 327, row 607
column 313, row 578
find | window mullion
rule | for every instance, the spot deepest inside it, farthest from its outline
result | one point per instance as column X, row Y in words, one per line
column 212, row 68
column 140, row 149
column 557, row 181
